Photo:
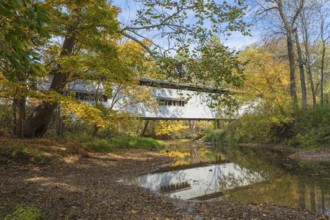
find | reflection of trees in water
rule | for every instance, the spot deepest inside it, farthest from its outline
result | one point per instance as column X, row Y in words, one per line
column 246, row 177
column 303, row 186
column 301, row 192
column 314, row 195
column 194, row 158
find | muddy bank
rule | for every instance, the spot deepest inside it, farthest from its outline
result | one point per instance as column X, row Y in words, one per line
column 77, row 184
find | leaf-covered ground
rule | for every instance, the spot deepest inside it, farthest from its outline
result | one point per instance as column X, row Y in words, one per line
column 68, row 182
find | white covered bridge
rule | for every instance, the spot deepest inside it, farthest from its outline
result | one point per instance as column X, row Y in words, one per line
column 173, row 101
column 176, row 102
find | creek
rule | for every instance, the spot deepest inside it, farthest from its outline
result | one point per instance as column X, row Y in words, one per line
column 241, row 174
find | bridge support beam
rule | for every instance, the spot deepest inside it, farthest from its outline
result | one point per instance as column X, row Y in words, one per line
column 217, row 124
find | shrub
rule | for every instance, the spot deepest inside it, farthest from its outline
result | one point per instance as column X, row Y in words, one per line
column 312, row 128
column 100, row 145
column 261, row 128
column 21, row 154
column 308, row 128
column 6, row 116
column 24, row 213
column 217, row 136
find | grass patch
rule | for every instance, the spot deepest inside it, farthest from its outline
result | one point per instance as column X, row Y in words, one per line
column 21, row 154
column 125, row 142
column 23, row 212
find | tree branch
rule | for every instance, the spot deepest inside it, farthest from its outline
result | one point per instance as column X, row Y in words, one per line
column 152, row 54
column 299, row 10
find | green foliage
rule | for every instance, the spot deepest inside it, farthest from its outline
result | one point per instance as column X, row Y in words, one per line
column 214, row 136
column 100, row 145
column 222, row 17
column 137, row 142
column 213, row 65
column 23, row 212
column 308, row 129
column 121, row 142
column 259, row 127
column 22, row 28
column 312, row 128
column 21, row 154
column 6, row 116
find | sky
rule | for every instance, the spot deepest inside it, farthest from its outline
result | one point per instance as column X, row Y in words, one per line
column 236, row 41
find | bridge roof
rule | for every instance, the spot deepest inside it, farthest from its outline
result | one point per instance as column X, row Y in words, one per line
column 180, row 86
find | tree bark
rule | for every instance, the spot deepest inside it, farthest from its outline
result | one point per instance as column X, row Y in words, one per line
column 289, row 23
column 36, row 124
column 302, row 72
column 308, row 63
column 145, row 128
column 293, row 89
column 310, row 76
column 322, row 72
column 59, row 122
column 19, row 116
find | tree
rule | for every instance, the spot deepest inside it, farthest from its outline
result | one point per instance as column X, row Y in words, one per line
column 324, row 13
column 22, row 32
column 287, row 13
column 89, row 31
column 267, row 78
column 182, row 24
column 302, row 71
column 307, row 26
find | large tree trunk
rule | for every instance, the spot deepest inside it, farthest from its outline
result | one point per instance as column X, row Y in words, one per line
column 308, row 65
column 145, row 128
column 19, row 116
column 302, row 72
column 36, row 124
column 322, row 72
column 293, row 89
column 310, row 76
column 59, row 124
column 289, row 23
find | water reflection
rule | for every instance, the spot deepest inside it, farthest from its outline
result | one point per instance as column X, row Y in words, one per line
column 252, row 175
column 201, row 182
column 290, row 183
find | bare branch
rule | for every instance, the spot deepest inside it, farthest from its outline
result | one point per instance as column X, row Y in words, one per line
column 299, row 10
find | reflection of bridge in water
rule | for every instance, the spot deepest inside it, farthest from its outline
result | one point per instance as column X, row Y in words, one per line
column 199, row 181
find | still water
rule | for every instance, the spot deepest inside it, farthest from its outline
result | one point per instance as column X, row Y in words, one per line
column 241, row 174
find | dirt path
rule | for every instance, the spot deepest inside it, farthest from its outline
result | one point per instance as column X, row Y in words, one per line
column 83, row 185
column 321, row 155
